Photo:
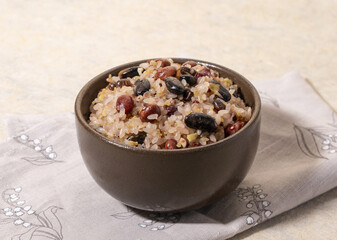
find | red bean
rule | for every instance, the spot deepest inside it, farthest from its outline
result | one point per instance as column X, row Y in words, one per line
column 194, row 144
column 111, row 86
column 191, row 63
column 171, row 110
column 171, row 144
column 165, row 72
column 233, row 128
column 147, row 111
column 203, row 72
column 124, row 82
column 164, row 62
column 125, row 102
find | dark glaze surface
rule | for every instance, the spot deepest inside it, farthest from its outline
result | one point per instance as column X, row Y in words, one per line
column 162, row 180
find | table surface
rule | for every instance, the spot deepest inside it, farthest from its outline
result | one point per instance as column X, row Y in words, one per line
column 49, row 49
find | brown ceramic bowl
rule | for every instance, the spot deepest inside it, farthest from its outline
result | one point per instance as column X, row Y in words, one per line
column 168, row 180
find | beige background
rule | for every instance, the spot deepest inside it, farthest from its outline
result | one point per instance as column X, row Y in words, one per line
column 49, row 49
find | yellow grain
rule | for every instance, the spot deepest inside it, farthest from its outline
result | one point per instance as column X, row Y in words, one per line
column 191, row 137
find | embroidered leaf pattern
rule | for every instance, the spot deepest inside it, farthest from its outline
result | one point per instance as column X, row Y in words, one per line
column 248, row 213
column 43, row 225
column 25, row 236
column 51, row 221
column 254, row 198
column 46, row 232
column 123, row 215
column 318, row 142
column 152, row 221
column 5, row 221
column 39, row 161
column 307, row 142
column 45, row 156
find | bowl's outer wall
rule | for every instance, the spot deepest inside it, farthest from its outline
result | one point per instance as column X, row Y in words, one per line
column 167, row 180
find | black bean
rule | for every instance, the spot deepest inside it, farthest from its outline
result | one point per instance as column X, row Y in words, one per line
column 139, row 138
column 218, row 105
column 238, row 94
column 187, row 95
column 189, row 79
column 141, row 87
column 187, row 70
column 223, row 92
column 130, row 72
column 235, row 118
column 201, row 122
column 174, row 85
column 123, row 82
column 226, row 96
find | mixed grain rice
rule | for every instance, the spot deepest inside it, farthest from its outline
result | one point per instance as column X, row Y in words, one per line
column 159, row 129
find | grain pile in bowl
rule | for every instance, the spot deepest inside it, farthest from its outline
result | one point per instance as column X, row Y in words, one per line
column 163, row 104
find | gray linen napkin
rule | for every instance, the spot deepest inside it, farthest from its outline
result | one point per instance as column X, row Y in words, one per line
column 47, row 192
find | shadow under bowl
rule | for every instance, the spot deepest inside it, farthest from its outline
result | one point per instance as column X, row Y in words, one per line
column 168, row 180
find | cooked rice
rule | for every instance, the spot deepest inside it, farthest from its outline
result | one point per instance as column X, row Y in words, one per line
column 118, row 126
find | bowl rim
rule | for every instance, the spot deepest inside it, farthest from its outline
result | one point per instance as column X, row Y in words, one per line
column 81, row 119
